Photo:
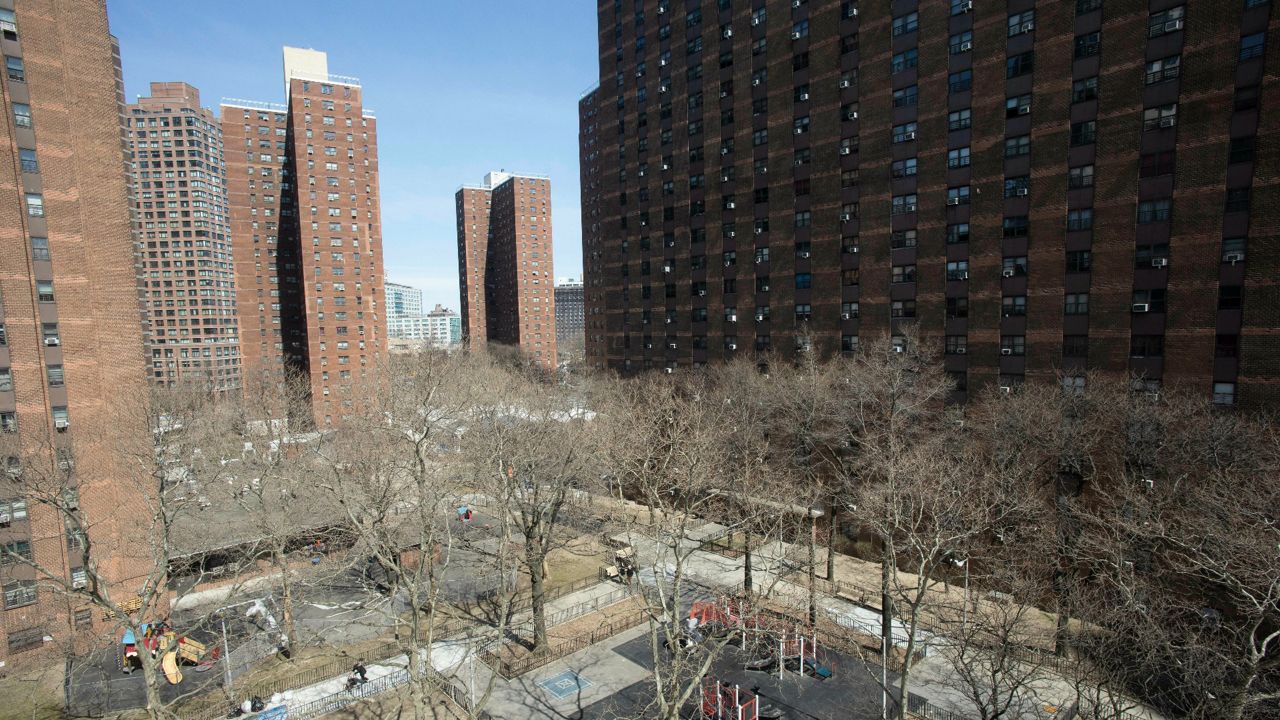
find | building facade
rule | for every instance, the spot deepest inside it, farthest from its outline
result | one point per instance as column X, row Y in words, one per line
column 506, row 276
column 403, row 301
column 186, row 275
column 1043, row 189
column 569, row 315
column 441, row 327
column 72, row 373
column 307, row 233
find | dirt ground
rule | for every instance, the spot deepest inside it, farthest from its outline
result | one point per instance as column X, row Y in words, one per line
column 34, row 695
column 574, row 629
column 394, row 706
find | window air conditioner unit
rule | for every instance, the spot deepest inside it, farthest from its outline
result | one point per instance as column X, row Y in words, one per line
column 648, row 346
column 845, row 217
column 1168, row 121
column 669, row 321
column 671, row 346
column 728, row 32
column 61, row 424
column 1006, row 351
column 759, row 231
column 724, row 151
column 967, row 6
column 851, row 115
column 724, row 178
column 804, row 97
column 795, row 35
column 953, row 201
column 733, row 346
column 804, row 253
column 1233, row 257
column 1006, row 389
column 755, row 21
column 729, row 206
column 755, row 81
column 661, row 9
column 966, row 46
column 665, row 166
column 909, row 135
column 52, row 342
column 1141, row 307
column 964, row 275
column 1173, row 25
column 845, row 316
column 759, row 318
column 1020, row 192
column 662, row 88
column 845, row 84
column 759, row 260
column 728, row 263
column 846, row 150
column 899, row 348
column 641, row 173
column 732, row 318
column 666, row 268
column 639, row 73
column 1024, row 109
column 1027, row 27
column 1159, row 262
column 662, row 62
column 668, row 370
column 961, row 351
column 1007, row 273
column 79, row 584
column 853, row 12
column 795, row 3
column 702, row 293
column 724, row 93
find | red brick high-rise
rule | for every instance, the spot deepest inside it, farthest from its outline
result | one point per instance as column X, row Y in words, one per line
column 506, row 277
column 307, row 233
column 1044, row 188
column 71, row 348
column 186, row 275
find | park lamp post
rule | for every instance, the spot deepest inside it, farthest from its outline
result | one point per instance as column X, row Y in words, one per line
column 964, row 608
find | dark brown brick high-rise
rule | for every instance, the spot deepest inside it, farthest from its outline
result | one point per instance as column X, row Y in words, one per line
column 505, row 272
column 306, row 232
column 1045, row 188
column 180, row 222
column 72, row 379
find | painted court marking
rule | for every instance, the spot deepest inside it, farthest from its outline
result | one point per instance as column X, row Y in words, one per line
column 565, row 684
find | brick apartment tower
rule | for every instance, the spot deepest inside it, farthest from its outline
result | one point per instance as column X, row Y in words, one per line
column 186, row 275
column 506, row 278
column 306, row 233
column 1045, row 188
column 71, row 347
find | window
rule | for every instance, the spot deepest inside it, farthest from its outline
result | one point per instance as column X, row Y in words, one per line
column 804, row 312
column 960, row 119
column 904, row 132
column 1087, row 6
column 902, row 239
column 848, row 310
column 29, row 162
column 1149, row 300
column 22, row 115
column 1146, row 346
column 903, row 204
column 39, row 248
column 905, row 97
column 960, row 7
column 1241, row 150
column 1084, row 133
column 958, row 270
column 1226, row 346
column 957, row 307
column 1157, row 118
column 960, row 42
column 1020, row 23
column 762, row 313
column 1081, row 219
column 1076, row 304
column 958, row 158
column 800, row 29
column 1079, row 261
column 1163, row 69
column 958, row 195
column 1155, row 164
column 55, row 375
column 904, row 273
column 1083, row 90
column 1014, row 265
column 1016, row 226
column 902, row 309
column 1152, row 255
column 849, row 276
column 15, row 69
column 903, row 168
column 848, row 343
column 8, row 422
column 12, row 511
column 1080, row 177
column 1152, row 211
column 1230, row 297
column 1237, row 200
column 1087, row 45
column 1019, row 186
column 9, row 24
column 13, row 553
column 803, row 219
column 957, row 233
column 1233, row 250
column 1019, row 105
column 1020, row 64
column 6, row 380
column 904, row 60
column 760, row 137
column 1251, row 46
column 1075, row 346
column 1013, row 345
column 17, row 594
column 959, row 82
column 1013, row 305
column 61, row 419
column 44, row 290
column 35, row 205
column 956, row 345
column 1016, row 146
column 906, row 24
column 1224, row 393
column 1162, row 23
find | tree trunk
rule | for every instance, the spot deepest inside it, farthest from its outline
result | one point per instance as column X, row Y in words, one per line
column 537, row 589
column 831, row 542
column 886, row 601
column 286, row 601
column 813, row 571
column 746, row 564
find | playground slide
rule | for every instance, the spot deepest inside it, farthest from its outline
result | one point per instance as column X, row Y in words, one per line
column 170, row 665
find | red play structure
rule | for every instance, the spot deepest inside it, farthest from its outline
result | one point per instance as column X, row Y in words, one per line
column 723, row 701
column 785, row 643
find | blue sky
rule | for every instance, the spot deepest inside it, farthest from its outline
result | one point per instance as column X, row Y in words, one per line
column 460, row 87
